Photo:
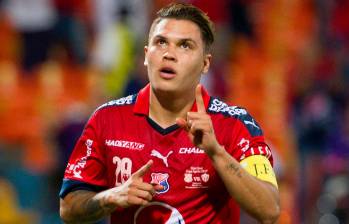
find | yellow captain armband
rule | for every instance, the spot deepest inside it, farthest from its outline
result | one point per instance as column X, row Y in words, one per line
column 260, row 167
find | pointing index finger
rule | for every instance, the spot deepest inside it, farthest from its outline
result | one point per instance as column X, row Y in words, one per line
column 199, row 100
column 144, row 169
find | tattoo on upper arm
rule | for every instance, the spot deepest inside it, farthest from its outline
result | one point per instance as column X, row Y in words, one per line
column 235, row 168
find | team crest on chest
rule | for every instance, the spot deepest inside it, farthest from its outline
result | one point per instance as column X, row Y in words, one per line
column 160, row 178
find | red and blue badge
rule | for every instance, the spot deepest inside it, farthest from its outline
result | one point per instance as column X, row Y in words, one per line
column 160, row 178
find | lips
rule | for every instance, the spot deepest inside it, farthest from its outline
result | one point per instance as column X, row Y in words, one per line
column 167, row 73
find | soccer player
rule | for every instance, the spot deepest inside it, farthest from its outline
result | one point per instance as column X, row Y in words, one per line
column 171, row 153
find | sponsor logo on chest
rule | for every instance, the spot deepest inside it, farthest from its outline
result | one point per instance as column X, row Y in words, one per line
column 124, row 144
column 190, row 150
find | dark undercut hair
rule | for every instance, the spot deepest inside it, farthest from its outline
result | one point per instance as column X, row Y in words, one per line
column 184, row 11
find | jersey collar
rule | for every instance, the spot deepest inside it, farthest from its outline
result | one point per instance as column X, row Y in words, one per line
column 143, row 98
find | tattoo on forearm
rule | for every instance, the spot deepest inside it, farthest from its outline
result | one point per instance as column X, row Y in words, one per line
column 92, row 206
column 235, row 168
column 85, row 208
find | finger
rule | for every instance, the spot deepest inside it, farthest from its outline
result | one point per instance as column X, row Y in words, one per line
column 199, row 100
column 144, row 169
column 144, row 186
column 146, row 195
column 200, row 125
column 134, row 200
column 158, row 187
column 197, row 116
column 198, row 137
column 197, row 130
column 181, row 122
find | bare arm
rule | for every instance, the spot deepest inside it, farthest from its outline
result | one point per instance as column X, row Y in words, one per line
column 257, row 197
column 83, row 206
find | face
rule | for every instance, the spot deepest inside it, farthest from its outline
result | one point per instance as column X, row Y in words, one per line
column 175, row 57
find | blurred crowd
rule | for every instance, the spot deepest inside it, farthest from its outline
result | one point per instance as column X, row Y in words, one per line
column 286, row 61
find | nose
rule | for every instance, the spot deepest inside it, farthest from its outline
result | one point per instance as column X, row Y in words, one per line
column 169, row 55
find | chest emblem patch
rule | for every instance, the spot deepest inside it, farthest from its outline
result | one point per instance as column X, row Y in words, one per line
column 196, row 177
column 160, row 178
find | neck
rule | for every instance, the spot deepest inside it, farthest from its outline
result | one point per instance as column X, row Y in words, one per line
column 165, row 107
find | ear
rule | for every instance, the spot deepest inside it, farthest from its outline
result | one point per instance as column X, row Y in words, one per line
column 145, row 55
column 207, row 62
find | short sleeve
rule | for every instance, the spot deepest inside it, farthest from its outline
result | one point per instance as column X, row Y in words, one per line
column 86, row 164
column 246, row 138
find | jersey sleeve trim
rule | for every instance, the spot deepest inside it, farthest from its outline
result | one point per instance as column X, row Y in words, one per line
column 217, row 106
column 128, row 100
column 74, row 185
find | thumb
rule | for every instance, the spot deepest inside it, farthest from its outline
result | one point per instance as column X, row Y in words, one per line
column 143, row 170
column 181, row 122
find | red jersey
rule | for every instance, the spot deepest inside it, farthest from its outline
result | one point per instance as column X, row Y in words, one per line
column 120, row 138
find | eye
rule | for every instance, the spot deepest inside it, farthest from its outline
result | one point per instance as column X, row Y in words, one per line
column 161, row 42
column 185, row 45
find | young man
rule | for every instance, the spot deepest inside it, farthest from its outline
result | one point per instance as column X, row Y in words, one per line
column 171, row 153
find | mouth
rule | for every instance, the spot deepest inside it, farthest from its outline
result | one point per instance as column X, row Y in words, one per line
column 167, row 73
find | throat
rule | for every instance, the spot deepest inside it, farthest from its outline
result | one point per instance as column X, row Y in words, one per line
column 165, row 111
column 165, row 106
column 163, row 118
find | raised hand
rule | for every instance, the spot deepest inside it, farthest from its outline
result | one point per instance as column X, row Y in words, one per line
column 133, row 192
column 199, row 126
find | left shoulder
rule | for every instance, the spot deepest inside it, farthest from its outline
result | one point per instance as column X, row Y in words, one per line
column 124, row 101
column 217, row 106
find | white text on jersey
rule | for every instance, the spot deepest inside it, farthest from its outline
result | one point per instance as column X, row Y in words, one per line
column 191, row 150
column 125, row 144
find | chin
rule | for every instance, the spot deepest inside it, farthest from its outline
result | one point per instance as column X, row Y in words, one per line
column 165, row 86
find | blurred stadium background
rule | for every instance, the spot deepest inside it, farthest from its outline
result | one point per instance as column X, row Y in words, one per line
column 286, row 61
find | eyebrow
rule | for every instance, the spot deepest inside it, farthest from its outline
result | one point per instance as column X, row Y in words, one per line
column 159, row 37
column 181, row 40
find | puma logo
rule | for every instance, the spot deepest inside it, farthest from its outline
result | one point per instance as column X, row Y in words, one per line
column 252, row 123
column 158, row 155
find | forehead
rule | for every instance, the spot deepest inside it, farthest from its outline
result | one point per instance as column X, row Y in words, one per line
column 177, row 28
